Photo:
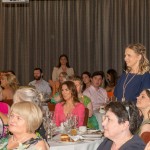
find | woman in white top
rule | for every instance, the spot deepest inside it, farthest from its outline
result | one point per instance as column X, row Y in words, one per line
column 63, row 66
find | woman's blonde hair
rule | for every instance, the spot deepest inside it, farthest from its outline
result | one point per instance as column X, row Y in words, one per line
column 30, row 112
column 139, row 49
column 12, row 80
column 27, row 93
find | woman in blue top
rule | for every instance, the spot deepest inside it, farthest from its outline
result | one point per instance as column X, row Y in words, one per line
column 136, row 77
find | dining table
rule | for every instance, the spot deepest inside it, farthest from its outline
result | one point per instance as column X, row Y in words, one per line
column 87, row 144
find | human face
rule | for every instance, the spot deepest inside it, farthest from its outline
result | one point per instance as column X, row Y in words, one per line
column 37, row 75
column 78, row 86
column 112, row 129
column 108, row 77
column 97, row 81
column 66, row 93
column 132, row 59
column 63, row 60
column 143, row 101
column 4, row 81
column 17, row 124
column 61, row 78
column 86, row 79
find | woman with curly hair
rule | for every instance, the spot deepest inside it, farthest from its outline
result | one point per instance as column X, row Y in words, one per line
column 9, row 84
column 136, row 77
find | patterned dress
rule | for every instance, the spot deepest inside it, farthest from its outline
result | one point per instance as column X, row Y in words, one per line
column 28, row 145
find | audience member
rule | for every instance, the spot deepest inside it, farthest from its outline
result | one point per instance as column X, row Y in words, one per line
column 92, row 122
column 143, row 103
column 136, row 77
column 30, row 94
column 9, row 84
column 63, row 66
column 86, row 78
column 97, row 94
column 120, row 124
column 111, row 81
column 70, row 104
column 40, row 84
column 24, row 119
column 63, row 76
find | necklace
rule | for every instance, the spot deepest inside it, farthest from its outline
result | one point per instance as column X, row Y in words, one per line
column 125, row 85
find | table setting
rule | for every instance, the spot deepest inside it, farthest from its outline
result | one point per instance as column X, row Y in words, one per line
column 68, row 135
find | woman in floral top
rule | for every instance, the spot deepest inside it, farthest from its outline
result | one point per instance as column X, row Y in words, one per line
column 24, row 119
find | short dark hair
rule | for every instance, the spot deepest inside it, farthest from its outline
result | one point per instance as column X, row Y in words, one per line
column 38, row 69
column 126, row 111
column 98, row 73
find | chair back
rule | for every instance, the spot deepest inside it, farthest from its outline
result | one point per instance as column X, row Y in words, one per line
column 51, row 106
column 86, row 117
column 8, row 101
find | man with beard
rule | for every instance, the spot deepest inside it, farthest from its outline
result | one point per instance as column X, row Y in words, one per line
column 40, row 84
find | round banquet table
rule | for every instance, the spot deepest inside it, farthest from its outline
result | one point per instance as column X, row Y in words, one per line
column 83, row 145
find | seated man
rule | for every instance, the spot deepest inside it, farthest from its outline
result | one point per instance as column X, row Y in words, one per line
column 40, row 84
column 97, row 94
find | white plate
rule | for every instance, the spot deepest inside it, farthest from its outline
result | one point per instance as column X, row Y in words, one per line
column 65, row 142
column 92, row 135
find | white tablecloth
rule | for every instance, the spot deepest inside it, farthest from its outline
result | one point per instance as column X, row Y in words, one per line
column 86, row 145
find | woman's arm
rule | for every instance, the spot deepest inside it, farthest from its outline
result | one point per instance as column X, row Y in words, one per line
column 90, row 107
column 54, row 74
column 4, row 118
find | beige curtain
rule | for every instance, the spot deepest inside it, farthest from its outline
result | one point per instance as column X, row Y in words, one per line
column 93, row 33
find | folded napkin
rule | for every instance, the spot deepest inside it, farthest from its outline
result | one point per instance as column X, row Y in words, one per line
column 76, row 138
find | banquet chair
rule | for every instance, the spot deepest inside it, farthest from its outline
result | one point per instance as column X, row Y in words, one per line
column 8, row 101
column 145, row 136
column 51, row 106
column 86, row 117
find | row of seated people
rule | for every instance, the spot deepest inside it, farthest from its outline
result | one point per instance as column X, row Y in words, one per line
column 92, row 122
column 124, row 116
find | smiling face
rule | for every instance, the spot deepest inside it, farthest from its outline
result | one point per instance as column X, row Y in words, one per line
column 86, row 79
column 132, row 59
column 17, row 124
column 112, row 129
column 66, row 93
column 143, row 101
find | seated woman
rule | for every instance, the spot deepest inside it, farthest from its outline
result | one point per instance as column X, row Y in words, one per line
column 111, row 81
column 27, row 93
column 86, row 78
column 69, row 105
column 143, row 103
column 92, row 121
column 9, row 84
column 24, row 119
column 120, row 124
column 55, row 86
